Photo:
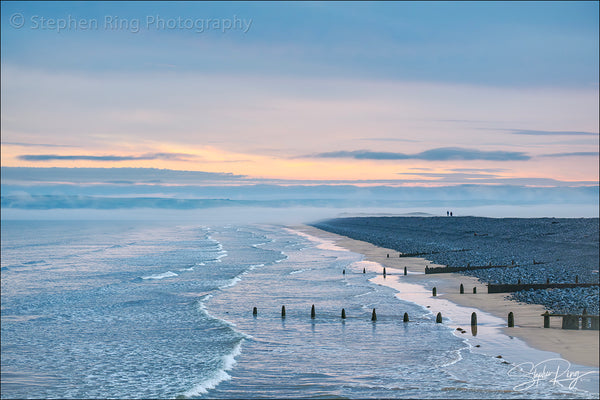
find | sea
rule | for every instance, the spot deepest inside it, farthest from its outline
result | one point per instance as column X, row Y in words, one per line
column 135, row 309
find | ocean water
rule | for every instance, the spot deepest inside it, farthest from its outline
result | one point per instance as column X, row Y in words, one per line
column 124, row 309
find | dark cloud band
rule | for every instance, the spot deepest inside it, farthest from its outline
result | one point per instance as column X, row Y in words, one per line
column 154, row 156
column 440, row 154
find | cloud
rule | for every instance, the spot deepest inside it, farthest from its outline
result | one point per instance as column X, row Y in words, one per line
column 152, row 156
column 573, row 154
column 550, row 133
column 440, row 154
column 479, row 169
column 112, row 175
column 391, row 139
column 35, row 144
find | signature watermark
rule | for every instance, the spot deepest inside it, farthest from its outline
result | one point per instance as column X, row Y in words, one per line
column 556, row 371
column 132, row 25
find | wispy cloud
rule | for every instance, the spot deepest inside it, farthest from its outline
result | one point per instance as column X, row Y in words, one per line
column 35, row 144
column 391, row 139
column 478, row 169
column 440, row 154
column 152, row 156
column 573, row 154
column 551, row 133
column 113, row 175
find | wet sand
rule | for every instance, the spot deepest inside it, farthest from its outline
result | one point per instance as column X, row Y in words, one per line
column 578, row 347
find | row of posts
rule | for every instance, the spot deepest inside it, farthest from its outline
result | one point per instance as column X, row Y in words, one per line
column 313, row 314
column 438, row 318
column 511, row 315
column 461, row 290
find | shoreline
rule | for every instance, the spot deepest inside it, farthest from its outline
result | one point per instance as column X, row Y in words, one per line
column 578, row 347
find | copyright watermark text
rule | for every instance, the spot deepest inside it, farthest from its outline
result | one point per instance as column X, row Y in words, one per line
column 131, row 25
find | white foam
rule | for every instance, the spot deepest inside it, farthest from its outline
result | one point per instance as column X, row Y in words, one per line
column 298, row 271
column 218, row 258
column 187, row 269
column 218, row 376
column 164, row 275
column 231, row 282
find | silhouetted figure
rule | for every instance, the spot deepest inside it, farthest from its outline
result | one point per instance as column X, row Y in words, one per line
column 447, row 213
column 450, row 213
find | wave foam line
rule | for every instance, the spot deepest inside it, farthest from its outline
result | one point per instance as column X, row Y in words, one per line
column 218, row 376
column 164, row 275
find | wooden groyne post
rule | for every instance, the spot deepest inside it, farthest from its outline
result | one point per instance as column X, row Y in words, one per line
column 434, row 291
column 570, row 322
column 438, row 318
column 462, row 289
column 312, row 312
column 511, row 320
column 405, row 319
column 473, row 318
column 343, row 313
column 404, row 270
column 282, row 311
column 374, row 316
column 254, row 311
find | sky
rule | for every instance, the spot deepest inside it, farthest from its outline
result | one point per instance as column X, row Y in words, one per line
column 400, row 94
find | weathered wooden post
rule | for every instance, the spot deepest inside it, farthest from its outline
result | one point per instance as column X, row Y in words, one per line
column 405, row 319
column 546, row 319
column 374, row 316
column 434, row 292
column 388, row 256
column 383, row 271
column 254, row 311
column 511, row 320
column 312, row 312
column 474, row 290
column 570, row 322
column 576, row 278
column 343, row 313
column 462, row 289
column 519, row 281
column 405, row 271
column 364, row 270
column 473, row 318
column 344, row 272
column 595, row 322
column 584, row 319
column 282, row 311
column 438, row 318
column 547, row 281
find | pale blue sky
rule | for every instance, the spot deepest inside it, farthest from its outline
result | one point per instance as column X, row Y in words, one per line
column 491, row 43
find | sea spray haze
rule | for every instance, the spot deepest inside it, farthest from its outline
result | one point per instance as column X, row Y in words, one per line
column 105, row 309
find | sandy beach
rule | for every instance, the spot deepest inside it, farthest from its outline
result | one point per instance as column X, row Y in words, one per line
column 578, row 347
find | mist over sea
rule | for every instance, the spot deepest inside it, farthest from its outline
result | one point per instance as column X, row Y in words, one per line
column 133, row 309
